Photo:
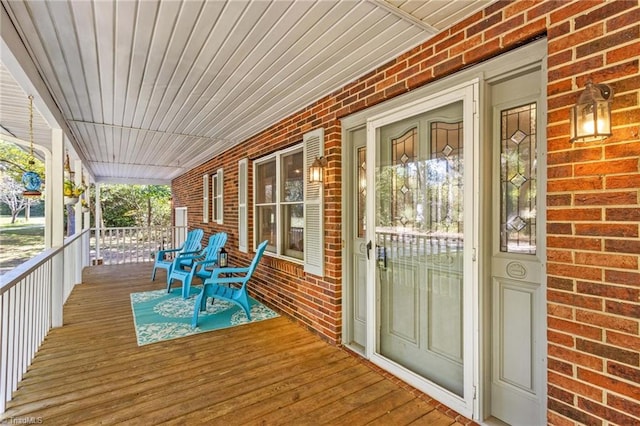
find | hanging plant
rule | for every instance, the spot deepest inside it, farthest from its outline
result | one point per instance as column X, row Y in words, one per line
column 72, row 192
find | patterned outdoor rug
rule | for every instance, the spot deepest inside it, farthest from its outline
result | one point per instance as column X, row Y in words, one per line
column 158, row 315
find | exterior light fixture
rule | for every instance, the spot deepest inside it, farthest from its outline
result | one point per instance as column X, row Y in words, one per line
column 591, row 116
column 316, row 171
column 30, row 179
column 223, row 258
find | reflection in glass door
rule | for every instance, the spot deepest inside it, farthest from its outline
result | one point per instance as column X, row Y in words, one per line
column 419, row 244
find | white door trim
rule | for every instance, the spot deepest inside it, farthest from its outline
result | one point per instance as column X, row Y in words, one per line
column 468, row 93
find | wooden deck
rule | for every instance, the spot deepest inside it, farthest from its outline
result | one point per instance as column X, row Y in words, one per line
column 91, row 371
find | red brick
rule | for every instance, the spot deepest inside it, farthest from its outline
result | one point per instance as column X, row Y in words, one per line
column 559, row 228
column 607, row 198
column 626, row 372
column 607, row 10
column 629, row 310
column 622, row 277
column 574, row 271
column 622, row 340
column 577, row 243
column 574, row 214
column 624, row 405
column 575, row 386
column 558, row 200
column 607, row 352
column 563, row 339
column 578, row 358
column 607, row 229
column 560, row 283
column 602, row 411
column 606, row 259
column 622, row 181
column 575, row 300
column 630, row 17
column 623, row 246
column 608, row 41
column 575, row 184
column 607, row 167
column 575, row 328
column 560, row 311
column 607, row 321
column 573, row 413
column 626, row 214
column 608, row 291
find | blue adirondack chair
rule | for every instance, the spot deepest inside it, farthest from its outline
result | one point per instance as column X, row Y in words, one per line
column 215, row 286
column 185, row 267
column 191, row 245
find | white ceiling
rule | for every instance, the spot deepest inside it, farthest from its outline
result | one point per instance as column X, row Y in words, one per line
column 150, row 89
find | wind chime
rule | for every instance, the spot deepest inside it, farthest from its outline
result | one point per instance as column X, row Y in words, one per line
column 30, row 179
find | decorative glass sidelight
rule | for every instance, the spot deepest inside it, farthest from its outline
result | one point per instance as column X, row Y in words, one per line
column 362, row 192
column 517, row 179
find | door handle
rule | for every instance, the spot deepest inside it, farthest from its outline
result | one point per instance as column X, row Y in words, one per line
column 368, row 248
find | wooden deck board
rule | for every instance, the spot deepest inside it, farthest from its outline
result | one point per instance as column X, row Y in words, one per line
column 92, row 371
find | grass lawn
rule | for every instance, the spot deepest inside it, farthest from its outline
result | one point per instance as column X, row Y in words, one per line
column 20, row 241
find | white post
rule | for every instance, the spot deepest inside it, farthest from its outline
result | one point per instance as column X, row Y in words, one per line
column 48, row 203
column 77, row 166
column 55, row 183
column 98, row 223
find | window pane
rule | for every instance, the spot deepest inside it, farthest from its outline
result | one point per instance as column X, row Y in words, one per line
column 518, row 180
column 266, row 223
column 266, row 182
column 293, row 230
column 214, row 193
column 292, row 165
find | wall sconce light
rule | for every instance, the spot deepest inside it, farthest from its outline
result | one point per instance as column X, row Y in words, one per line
column 591, row 116
column 316, row 171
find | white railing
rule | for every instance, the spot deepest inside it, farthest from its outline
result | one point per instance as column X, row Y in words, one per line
column 112, row 246
column 32, row 296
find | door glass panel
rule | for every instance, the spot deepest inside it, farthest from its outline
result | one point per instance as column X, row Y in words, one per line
column 419, row 244
column 517, row 179
column 362, row 191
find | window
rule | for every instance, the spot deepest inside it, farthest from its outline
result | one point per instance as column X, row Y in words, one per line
column 205, row 198
column 243, row 238
column 279, row 202
column 288, row 209
column 217, row 189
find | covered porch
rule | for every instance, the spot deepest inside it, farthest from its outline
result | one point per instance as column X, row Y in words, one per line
column 91, row 370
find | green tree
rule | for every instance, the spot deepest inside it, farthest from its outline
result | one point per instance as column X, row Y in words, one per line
column 135, row 205
column 14, row 161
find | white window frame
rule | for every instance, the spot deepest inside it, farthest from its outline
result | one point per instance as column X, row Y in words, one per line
column 243, row 191
column 205, row 198
column 217, row 196
column 277, row 155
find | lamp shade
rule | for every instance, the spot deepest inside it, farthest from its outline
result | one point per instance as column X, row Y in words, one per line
column 316, row 170
column 591, row 116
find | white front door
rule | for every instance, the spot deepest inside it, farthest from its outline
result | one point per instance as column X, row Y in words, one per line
column 421, row 272
column 518, row 325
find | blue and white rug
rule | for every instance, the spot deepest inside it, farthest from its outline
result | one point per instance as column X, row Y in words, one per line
column 158, row 315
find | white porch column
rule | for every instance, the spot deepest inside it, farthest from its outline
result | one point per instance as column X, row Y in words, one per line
column 77, row 213
column 55, row 182
column 98, row 219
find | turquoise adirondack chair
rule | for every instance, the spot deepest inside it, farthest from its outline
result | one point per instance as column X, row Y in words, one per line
column 192, row 244
column 185, row 267
column 215, row 286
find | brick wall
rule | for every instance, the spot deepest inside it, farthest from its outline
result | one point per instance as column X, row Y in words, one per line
column 593, row 194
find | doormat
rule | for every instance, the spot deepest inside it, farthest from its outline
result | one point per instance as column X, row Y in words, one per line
column 159, row 316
